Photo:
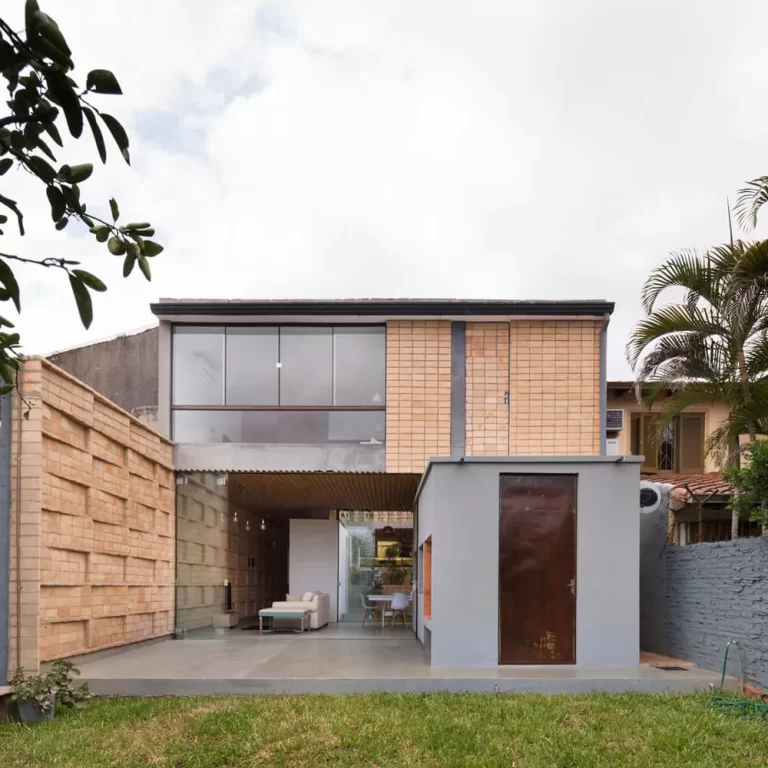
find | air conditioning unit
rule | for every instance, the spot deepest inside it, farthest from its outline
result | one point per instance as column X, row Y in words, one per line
column 614, row 419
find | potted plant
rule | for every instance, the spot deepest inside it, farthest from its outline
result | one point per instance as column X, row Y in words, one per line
column 36, row 696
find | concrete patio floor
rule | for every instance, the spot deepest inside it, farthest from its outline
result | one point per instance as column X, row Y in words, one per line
column 344, row 658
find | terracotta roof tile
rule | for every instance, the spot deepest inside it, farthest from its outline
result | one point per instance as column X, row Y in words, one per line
column 702, row 484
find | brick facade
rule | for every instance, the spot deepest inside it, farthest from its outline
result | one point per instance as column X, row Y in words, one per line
column 554, row 387
column 96, row 509
column 487, row 384
column 418, row 393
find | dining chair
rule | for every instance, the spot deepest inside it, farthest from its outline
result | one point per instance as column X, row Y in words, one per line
column 398, row 606
column 368, row 608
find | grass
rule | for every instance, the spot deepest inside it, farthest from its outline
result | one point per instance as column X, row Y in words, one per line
column 513, row 731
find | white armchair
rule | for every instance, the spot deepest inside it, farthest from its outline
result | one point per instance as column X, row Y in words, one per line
column 317, row 603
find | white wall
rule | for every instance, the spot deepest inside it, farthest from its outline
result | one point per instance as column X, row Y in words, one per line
column 459, row 508
column 313, row 559
column 343, row 570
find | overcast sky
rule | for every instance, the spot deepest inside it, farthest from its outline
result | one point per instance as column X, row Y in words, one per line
column 547, row 149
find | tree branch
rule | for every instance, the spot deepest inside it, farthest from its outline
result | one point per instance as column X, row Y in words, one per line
column 47, row 116
column 47, row 262
column 8, row 203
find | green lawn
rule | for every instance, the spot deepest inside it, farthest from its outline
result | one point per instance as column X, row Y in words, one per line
column 513, row 731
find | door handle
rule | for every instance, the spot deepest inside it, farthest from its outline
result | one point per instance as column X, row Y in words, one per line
column 572, row 586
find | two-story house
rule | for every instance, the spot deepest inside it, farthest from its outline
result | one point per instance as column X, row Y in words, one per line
column 452, row 450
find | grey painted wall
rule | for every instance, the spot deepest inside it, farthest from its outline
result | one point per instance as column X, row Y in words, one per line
column 458, row 388
column 122, row 369
column 653, row 579
column 459, row 508
column 717, row 592
column 247, row 457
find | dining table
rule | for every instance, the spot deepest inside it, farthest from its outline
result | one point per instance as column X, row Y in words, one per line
column 385, row 599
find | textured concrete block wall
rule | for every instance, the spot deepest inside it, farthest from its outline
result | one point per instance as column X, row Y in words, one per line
column 96, row 507
column 554, row 388
column 715, row 593
column 218, row 542
column 418, row 393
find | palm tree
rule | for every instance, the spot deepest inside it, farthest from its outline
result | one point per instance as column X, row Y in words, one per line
column 713, row 345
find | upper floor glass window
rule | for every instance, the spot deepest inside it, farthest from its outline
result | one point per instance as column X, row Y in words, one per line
column 252, row 355
column 198, row 365
column 279, row 366
column 359, row 361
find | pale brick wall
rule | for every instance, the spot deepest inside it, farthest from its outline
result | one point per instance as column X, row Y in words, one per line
column 487, row 383
column 418, row 393
column 554, row 387
column 97, row 522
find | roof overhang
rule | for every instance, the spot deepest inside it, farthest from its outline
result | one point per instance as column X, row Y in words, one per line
column 204, row 310
column 321, row 491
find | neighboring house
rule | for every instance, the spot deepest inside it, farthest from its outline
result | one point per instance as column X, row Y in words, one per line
column 699, row 508
column 680, row 449
column 305, row 435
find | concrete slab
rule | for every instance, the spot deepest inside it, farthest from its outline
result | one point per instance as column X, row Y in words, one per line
column 346, row 659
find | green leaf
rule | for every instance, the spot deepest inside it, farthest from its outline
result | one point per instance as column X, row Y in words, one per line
column 79, row 173
column 102, row 81
column 8, row 279
column 87, row 219
column 113, row 207
column 144, row 267
column 30, row 9
column 53, row 132
column 118, row 134
column 136, row 225
column 40, row 144
column 101, row 232
column 61, row 223
column 7, row 323
column 144, row 232
column 62, row 93
column 90, row 280
column 116, row 246
column 41, row 168
column 98, row 136
column 5, row 165
column 50, row 31
column 57, row 201
column 83, row 300
column 130, row 260
column 151, row 248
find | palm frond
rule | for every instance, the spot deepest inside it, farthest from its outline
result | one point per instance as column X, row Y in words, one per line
column 684, row 269
column 675, row 319
column 753, row 197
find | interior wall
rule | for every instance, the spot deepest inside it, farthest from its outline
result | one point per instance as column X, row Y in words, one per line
column 313, row 560
column 219, row 542
column 459, row 508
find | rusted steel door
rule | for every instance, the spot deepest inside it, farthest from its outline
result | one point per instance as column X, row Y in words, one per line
column 537, row 569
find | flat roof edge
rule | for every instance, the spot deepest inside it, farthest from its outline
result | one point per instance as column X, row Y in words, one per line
column 180, row 307
column 443, row 460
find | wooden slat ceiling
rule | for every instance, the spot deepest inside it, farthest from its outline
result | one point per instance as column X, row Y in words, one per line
column 322, row 491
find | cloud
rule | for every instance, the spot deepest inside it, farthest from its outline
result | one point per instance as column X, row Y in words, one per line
column 336, row 149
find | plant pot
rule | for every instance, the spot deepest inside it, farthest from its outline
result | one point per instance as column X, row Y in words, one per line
column 29, row 712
